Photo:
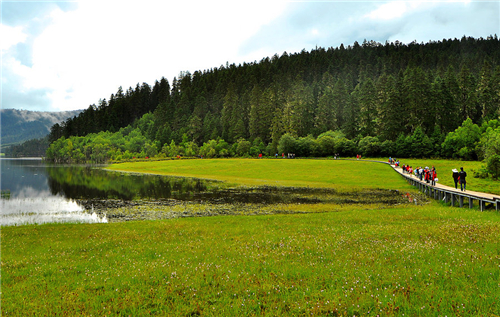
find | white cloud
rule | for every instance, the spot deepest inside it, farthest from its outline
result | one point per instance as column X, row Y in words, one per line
column 388, row 11
column 399, row 8
column 88, row 53
column 77, row 57
column 11, row 36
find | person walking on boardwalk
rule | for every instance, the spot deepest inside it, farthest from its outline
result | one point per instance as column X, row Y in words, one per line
column 455, row 177
column 461, row 178
column 433, row 176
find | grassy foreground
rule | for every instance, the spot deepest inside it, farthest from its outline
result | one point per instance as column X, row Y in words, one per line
column 412, row 261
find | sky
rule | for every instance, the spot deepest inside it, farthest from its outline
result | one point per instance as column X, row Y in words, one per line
column 67, row 55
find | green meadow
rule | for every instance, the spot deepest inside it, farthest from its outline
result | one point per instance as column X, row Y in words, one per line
column 363, row 260
column 343, row 175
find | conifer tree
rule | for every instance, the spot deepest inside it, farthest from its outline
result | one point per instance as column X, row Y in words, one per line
column 467, row 95
column 368, row 107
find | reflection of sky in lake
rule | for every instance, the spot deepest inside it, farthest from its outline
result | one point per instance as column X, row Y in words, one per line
column 29, row 199
column 38, row 210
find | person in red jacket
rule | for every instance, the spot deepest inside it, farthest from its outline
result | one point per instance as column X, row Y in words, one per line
column 433, row 176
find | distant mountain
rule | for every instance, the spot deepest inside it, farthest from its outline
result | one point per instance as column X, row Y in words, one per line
column 21, row 125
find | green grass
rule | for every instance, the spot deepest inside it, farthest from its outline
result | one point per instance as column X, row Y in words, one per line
column 444, row 173
column 366, row 260
column 339, row 174
column 413, row 261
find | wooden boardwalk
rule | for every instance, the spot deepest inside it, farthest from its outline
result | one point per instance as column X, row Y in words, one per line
column 451, row 195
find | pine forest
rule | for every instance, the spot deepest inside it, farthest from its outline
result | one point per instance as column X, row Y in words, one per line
column 407, row 100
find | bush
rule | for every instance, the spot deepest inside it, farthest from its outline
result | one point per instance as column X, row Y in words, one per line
column 387, row 148
column 463, row 141
column 326, row 145
column 369, row 146
column 493, row 165
column 287, row 144
column 306, row 146
column 345, row 147
column 243, row 147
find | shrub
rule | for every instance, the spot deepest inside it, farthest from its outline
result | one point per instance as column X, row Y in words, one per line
column 463, row 141
column 369, row 146
column 287, row 144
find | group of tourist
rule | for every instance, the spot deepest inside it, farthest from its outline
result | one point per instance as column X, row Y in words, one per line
column 429, row 175
column 290, row 155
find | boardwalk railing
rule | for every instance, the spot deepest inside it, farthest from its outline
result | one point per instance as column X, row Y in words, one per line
column 452, row 196
column 448, row 195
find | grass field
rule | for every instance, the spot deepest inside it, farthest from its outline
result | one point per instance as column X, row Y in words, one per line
column 339, row 174
column 402, row 260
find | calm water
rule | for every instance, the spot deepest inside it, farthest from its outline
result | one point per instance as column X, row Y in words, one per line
column 27, row 197
column 34, row 191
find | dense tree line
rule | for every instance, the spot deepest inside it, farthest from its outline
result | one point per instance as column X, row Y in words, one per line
column 469, row 141
column 372, row 89
column 30, row 148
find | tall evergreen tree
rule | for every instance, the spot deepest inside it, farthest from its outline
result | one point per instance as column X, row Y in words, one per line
column 301, row 99
column 340, row 98
column 324, row 115
column 351, row 122
column 486, row 93
column 367, row 98
column 416, row 90
column 467, row 101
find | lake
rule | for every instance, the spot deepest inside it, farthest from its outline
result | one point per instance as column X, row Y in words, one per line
column 36, row 192
column 28, row 198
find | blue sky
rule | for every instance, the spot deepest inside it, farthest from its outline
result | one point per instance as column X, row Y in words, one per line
column 60, row 55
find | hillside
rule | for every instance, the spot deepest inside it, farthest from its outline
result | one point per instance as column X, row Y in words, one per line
column 21, row 125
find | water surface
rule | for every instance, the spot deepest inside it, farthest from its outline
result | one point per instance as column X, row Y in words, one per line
column 27, row 197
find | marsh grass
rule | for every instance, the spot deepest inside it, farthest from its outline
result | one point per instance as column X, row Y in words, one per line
column 412, row 261
column 252, row 201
